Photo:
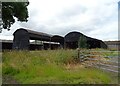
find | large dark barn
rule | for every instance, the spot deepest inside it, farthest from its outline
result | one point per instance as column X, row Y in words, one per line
column 22, row 39
column 72, row 40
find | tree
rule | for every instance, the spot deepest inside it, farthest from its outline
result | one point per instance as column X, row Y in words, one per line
column 82, row 43
column 10, row 10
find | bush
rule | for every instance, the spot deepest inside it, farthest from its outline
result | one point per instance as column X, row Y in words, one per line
column 82, row 43
column 9, row 70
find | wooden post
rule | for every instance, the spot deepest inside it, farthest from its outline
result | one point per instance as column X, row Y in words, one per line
column 50, row 44
column 99, row 62
column 78, row 52
column 64, row 44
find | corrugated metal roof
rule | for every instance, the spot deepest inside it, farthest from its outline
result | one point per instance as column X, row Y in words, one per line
column 38, row 33
column 35, row 35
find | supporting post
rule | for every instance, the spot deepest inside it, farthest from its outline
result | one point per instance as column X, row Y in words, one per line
column 64, row 44
column 50, row 44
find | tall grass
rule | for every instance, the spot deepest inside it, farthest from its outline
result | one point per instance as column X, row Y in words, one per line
column 50, row 67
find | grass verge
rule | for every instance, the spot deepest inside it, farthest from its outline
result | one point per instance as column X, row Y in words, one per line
column 51, row 67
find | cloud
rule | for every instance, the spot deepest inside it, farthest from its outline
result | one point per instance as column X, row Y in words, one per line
column 94, row 18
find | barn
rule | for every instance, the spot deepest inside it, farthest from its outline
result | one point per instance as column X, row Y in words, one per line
column 6, row 44
column 59, row 39
column 22, row 39
column 113, row 45
column 72, row 39
column 95, row 43
column 23, row 36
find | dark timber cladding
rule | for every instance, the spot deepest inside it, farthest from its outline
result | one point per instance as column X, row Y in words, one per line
column 72, row 38
column 6, row 44
column 57, row 38
column 22, row 37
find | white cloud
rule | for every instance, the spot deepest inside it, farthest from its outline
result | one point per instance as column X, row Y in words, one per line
column 94, row 18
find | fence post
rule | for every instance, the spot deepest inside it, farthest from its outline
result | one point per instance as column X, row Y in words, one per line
column 79, row 54
column 79, row 50
column 99, row 62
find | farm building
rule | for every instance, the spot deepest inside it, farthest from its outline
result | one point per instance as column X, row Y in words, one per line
column 114, row 45
column 6, row 44
column 95, row 43
column 59, row 39
column 22, row 39
column 72, row 40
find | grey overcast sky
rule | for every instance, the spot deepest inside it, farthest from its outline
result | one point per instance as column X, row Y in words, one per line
column 94, row 18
